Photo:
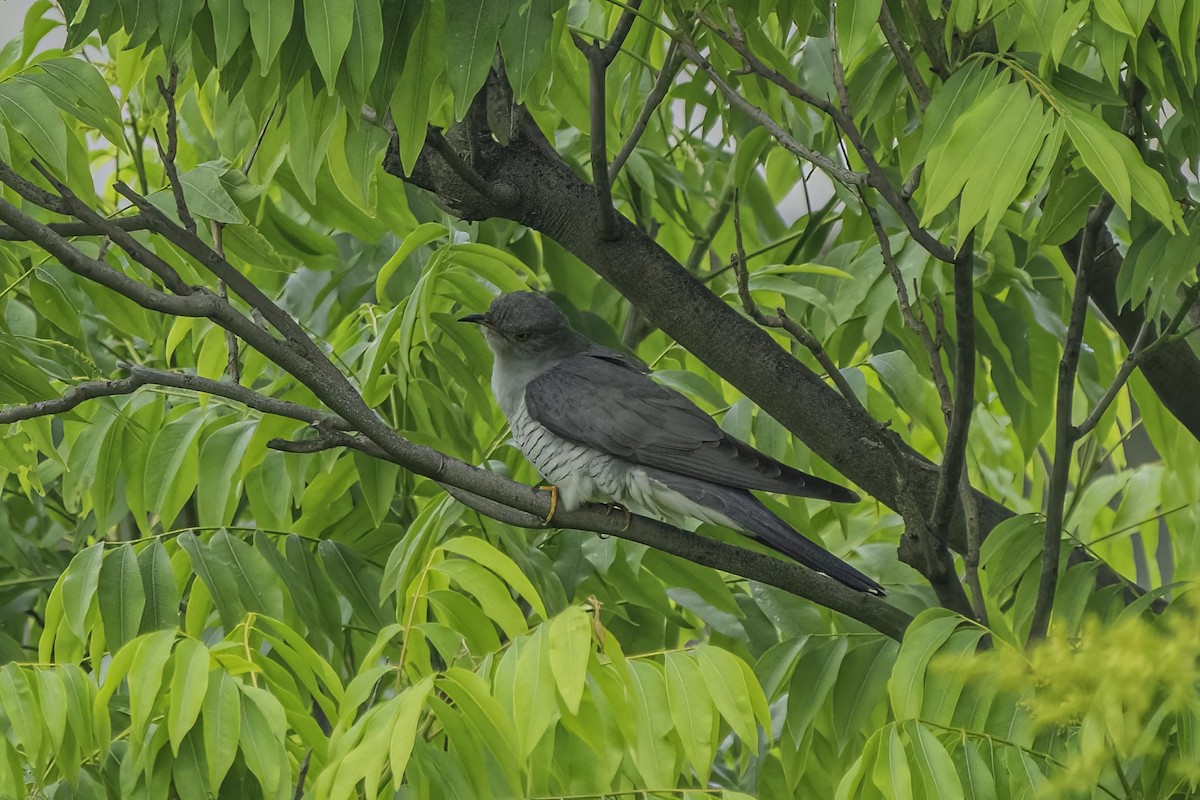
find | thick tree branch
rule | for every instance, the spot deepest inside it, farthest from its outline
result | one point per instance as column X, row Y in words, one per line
column 1064, row 439
column 964, row 389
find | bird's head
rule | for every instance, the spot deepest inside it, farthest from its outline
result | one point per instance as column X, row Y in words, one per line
column 527, row 327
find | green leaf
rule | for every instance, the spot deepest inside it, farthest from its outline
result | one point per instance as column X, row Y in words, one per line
column 1114, row 14
column 171, row 466
column 692, row 710
column 400, row 20
column 30, row 113
column 20, row 707
column 121, row 596
column 525, row 42
column 359, row 584
column 79, row 89
column 140, row 19
column 812, row 680
column 483, row 552
column 425, row 233
column 220, row 461
column 217, row 578
column 329, row 25
column 570, row 648
column 52, row 303
column 79, row 582
column 928, row 632
column 222, row 716
column 207, row 197
column 175, row 19
column 654, row 753
column 161, row 609
column 270, row 21
column 404, row 727
column 262, row 739
column 365, row 45
column 231, row 23
column 734, row 691
column 856, row 23
column 963, row 157
column 377, row 479
column 256, row 581
column 145, row 676
column 410, row 105
column 472, row 27
column 492, row 595
column 1096, row 143
column 189, row 686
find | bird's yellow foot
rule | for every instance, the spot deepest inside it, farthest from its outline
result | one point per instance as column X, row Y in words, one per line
column 553, row 490
column 625, row 511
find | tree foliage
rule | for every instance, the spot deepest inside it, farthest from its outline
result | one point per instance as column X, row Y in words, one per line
column 940, row 250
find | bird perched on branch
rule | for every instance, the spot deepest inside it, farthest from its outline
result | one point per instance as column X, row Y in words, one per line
column 596, row 426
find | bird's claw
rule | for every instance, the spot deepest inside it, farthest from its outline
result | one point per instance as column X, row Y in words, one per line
column 623, row 510
column 553, row 490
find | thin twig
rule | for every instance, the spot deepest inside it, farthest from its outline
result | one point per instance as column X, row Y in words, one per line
column 494, row 192
column 68, row 230
column 904, row 58
column 599, row 58
column 917, row 326
column 140, row 376
column 1064, row 440
column 789, row 142
column 781, row 320
column 658, row 92
column 232, row 366
column 1114, row 388
column 68, row 203
column 167, row 90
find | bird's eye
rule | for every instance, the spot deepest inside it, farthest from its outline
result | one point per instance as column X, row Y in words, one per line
column 521, row 336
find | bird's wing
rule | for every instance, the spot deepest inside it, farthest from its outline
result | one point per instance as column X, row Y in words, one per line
column 609, row 404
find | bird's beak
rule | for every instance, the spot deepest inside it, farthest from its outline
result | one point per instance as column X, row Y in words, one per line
column 478, row 319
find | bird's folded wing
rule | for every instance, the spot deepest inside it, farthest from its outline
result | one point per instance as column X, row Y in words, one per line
column 607, row 404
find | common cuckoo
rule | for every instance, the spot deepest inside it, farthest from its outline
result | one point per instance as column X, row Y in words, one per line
column 597, row 427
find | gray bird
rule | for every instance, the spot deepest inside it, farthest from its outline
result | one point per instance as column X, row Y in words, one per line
column 593, row 423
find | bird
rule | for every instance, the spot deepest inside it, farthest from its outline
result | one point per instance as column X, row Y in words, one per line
column 595, row 425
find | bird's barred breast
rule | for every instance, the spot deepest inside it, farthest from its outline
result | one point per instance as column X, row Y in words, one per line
column 581, row 473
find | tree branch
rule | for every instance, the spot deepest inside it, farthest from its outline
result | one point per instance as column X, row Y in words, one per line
column 167, row 156
column 72, row 229
column 527, row 507
column 843, row 175
column 1064, row 439
column 140, row 376
column 964, row 389
column 904, row 58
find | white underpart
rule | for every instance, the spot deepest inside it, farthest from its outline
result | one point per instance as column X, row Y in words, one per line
column 584, row 474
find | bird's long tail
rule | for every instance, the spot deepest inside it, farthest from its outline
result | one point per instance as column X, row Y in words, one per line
column 751, row 517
